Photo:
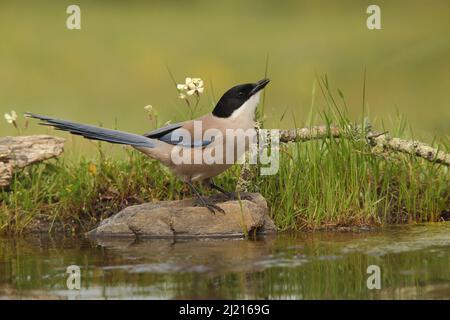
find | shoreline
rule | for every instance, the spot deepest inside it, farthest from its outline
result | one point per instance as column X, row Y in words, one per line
column 42, row 228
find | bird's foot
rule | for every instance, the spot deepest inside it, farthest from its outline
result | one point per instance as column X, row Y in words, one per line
column 229, row 195
column 210, row 206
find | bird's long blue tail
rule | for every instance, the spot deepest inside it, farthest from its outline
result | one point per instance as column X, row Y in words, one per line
column 95, row 133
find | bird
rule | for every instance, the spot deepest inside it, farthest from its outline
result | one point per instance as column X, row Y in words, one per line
column 234, row 112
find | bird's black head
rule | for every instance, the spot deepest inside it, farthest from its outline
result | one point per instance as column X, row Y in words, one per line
column 235, row 97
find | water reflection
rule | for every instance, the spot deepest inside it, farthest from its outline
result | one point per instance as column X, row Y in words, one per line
column 414, row 261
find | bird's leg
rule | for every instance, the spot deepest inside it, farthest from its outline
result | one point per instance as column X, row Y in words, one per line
column 210, row 206
column 228, row 194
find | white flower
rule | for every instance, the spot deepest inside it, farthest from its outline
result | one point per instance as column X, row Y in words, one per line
column 11, row 117
column 195, row 85
column 198, row 82
column 149, row 108
column 191, row 86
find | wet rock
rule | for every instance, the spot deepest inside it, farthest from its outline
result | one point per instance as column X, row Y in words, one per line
column 182, row 218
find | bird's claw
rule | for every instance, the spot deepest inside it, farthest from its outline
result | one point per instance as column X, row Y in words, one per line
column 211, row 207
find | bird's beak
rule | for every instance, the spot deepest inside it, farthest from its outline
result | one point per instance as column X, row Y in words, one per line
column 259, row 86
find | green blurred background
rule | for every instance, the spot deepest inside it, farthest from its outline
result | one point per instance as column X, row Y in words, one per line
column 117, row 63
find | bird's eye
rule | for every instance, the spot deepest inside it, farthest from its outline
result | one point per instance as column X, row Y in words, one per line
column 241, row 94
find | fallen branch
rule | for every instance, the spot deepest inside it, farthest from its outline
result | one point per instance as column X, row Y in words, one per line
column 416, row 148
column 18, row 152
column 380, row 142
column 245, row 178
column 312, row 133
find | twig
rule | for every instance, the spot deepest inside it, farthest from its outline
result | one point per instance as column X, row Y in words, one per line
column 380, row 141
column 306, row 134
column 416, row 148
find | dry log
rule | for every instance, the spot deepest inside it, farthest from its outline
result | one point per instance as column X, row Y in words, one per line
column 18, row 152
column 5, row 174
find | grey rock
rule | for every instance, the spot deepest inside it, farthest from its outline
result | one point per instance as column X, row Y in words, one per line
column 182, row 218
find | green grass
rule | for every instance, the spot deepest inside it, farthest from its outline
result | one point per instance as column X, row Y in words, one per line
column 320, row 184
column 340, row 183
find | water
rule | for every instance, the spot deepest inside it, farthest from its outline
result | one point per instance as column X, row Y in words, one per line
column 414, row 263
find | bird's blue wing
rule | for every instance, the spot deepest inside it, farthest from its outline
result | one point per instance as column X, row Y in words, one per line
column 158, row 133
column 170, row 135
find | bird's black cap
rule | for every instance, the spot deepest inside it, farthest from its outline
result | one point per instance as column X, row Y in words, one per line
column 235, row 97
